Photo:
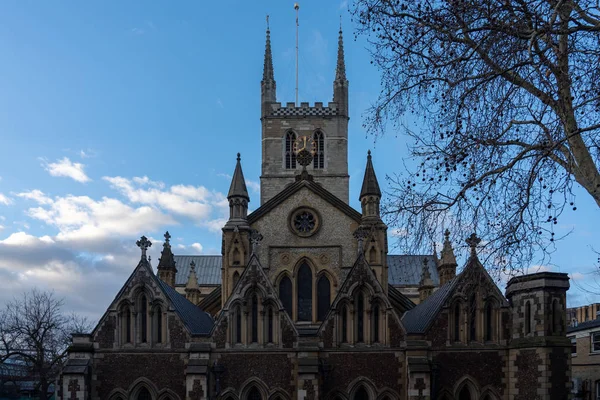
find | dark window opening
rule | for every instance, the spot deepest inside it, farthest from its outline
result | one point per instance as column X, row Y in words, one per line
column 254, row 394
column 465, row 394
column 144, row 319
column 489, row 313
column 527, row 318
column 319, row 157
column 270, row 326
column 457, row 323
column 323, row 297
column 304, row 293
column 158, row 314
column 473, row 318
column 360, row 334
column 144, row 394
column 285, row 294
column 238, row 325
column 254, row 319
column 290, row 155
column 361, row 394
column 344, row 325
column 128, row 327
column 376, row 324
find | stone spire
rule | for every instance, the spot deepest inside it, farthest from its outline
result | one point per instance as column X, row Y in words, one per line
column 238, row 197
column 268, row 86
column 370, row 186
column 166, row 263
column 447, row 265
column 192, row 289
column 370, row 194
column 340, row 84
column 426, row 284
column 340, row 71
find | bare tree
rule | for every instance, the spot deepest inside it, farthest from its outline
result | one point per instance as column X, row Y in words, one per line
column 501, row 102
column 35, row 332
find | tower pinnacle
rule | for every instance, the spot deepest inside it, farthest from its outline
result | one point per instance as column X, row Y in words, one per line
column 340, row 71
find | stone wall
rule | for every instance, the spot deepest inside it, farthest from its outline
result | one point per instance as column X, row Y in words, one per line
column 275, row 370
column 114, row 371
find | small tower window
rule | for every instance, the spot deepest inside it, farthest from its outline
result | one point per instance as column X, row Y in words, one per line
column 285, row 294
column 527, row 318
column 319, row 157
column 323, row 297
column 157, row 316
column 290, row 156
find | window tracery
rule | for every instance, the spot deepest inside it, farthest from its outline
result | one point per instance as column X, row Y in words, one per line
column 290, row 155
column 319, row 156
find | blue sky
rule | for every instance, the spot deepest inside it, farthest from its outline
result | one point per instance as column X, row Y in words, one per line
column 119, row 119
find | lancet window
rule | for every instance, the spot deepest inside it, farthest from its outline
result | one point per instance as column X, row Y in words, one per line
column 290, row 155
column 323, row 297
column 319, row 156
column 304, row 291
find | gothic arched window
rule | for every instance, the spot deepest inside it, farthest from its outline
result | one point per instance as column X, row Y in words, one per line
column 144, row 319
column 319, row 157
column 323, row 297
column 290, row 156
column 360, row 318
column 473, row 318
column 270, row 325
column 238, row 325
column 236, row 278
column 527, row 318
column 254, row 394
column 489, row 321
column 376, row 324
column 125, row 324
column 285, row 294
column 457, row 322
column 254, row 319
column 344, row 324
column 144, row 394
column 157, row 324
column 304, row 293
column 361, row 394
column 556, row 318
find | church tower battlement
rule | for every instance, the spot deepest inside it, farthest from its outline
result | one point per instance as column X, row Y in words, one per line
column 325, row 124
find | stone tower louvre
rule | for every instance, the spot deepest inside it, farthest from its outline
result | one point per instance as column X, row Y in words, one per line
column 325, row 124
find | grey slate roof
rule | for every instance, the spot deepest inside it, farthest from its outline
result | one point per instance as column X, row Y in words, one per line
column 197, row 321
column 418, row 319
column 405, row 270
column 595, row 323
column 208, row 269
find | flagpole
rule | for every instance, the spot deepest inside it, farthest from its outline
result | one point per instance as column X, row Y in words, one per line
column 296, row 7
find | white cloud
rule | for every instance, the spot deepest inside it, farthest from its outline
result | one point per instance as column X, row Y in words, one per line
column 25, row 239
column 67, row 168
column 194, row 202
column 5, row 200
column 36, row 195
column 253, row 185
column 197, row 247
column 1, row 227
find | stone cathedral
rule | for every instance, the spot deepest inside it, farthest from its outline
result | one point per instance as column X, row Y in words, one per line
column 305, row 302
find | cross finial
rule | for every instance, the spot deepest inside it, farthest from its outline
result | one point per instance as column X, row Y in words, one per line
column 447, row 234
column 143, row 244
column 255, row 239
column 268, row 22
column 360, row 235
column 239, row 157
column 473, row 241
column 167, row 237
column 193, row 265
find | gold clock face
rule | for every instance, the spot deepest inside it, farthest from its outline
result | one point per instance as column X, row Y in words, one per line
column 304, row 143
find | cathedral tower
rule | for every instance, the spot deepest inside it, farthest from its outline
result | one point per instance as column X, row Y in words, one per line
column 325, row 127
